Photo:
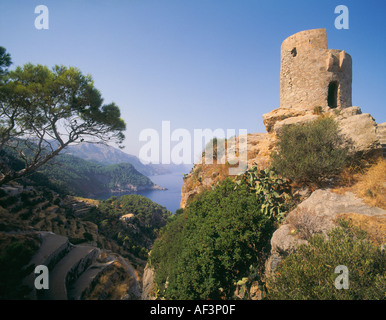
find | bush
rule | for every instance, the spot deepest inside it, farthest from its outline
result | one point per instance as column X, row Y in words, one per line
column 273, row 192
column 88, row 236
column 8, row 201
column 309, row 273
column 311, row 153
column 13, row 267
column 205, row 250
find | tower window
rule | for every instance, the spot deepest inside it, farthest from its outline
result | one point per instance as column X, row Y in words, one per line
column 294, row 52
column 332, row 98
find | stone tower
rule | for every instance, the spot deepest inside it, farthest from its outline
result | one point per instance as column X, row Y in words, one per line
column 313, row 75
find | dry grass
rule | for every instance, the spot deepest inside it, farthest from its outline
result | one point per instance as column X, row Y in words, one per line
column 369, row 185
column 112, row 285
column 91, row 202
column 215, row 172
column 375, row 226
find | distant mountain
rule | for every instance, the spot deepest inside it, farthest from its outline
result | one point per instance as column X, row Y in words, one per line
column 106, row 155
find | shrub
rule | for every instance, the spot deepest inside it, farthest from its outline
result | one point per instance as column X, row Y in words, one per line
column 204, row 251
column 8, row 201
column 318, row 110
column 273, row 192
column 310, row 153
column 309, row 273
column 88, row 236
column 221, row 237
column 14, row 257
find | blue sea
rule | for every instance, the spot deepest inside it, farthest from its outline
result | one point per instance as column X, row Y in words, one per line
column 170, row 198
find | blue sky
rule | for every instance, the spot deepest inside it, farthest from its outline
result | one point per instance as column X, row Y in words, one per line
column 196, row 63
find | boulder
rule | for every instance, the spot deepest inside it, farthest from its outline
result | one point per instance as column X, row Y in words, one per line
column 294, row 120
column 360, row 132
column 317, row 214
column 280, row 114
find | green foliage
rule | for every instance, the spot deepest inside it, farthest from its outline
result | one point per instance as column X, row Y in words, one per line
column 13, row 261
column 5, row 61
column 203, row 251
column 69, row 174
column 124, row 174
column 273, row 192
column 50, row 109
column 310, row 153
column 309, row 272
column 146, row 212
column 138, row 233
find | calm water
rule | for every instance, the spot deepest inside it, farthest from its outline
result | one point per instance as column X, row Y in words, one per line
column 169, row 198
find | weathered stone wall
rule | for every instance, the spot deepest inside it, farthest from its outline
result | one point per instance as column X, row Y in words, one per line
column 308, row 68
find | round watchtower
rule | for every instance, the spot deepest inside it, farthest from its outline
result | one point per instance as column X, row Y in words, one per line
column 313, row 75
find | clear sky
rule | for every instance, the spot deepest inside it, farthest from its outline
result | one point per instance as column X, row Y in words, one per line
column 196, row 63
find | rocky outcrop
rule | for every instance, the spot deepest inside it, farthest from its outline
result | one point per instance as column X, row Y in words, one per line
column 148, row 283
column 361, row 135
column 203, row 176
column 318, row 214
column 381, row 135
column 359, row 130
column 275, row 119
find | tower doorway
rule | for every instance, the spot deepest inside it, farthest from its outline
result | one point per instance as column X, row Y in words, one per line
column 332, row 98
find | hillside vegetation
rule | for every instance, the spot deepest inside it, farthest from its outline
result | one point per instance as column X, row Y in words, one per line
column 309, row 273
column 24, row 212
column 73, row 175
column 222, row 237
column 133, row 221
column 218, row 247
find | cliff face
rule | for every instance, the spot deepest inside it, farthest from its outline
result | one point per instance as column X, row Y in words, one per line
column 360, row 132
column 205, row 176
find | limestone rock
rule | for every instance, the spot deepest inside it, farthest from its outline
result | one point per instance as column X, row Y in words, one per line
column 321, row 211
column 348, row 112
column 359, row 131
column 283, row 242
column 294, row 120
column 147, row 283
column 279, row 114
column 204, row 176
